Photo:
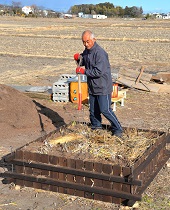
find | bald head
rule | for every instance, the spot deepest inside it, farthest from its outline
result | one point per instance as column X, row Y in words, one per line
column 88, row 32
column 88, row 39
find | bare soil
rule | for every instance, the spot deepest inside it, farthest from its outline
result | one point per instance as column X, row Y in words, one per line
column 36, row 52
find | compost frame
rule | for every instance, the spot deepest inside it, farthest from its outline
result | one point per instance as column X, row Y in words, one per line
column 88, row 179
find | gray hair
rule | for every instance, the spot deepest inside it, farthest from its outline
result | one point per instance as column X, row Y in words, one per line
column 90, row 33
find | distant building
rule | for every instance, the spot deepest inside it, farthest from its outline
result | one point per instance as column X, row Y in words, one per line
column 92, row 16
column 158, row 16
column 162, row 16
column 67, row 16
column 80, row 14
column 166, row 16
column 87, row 16
column 27, row 10
column 100, row 16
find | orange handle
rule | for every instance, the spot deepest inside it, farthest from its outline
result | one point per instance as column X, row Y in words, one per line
column 79, row 88
column 80, row 94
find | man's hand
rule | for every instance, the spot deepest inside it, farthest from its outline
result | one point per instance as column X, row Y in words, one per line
column 76, row 56
column 80, row 70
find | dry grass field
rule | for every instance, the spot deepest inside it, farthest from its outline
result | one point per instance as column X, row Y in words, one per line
column 36, row 51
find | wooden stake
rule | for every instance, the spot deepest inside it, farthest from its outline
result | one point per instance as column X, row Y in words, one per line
column 140, row 74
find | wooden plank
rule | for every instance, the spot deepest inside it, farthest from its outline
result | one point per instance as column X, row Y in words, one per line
column 46, row 173
column 126, row 172
column 141, row 86
column 98, row 182
column 144, row 164
column 53, row 174
column 140, row 75
column 37, row 158
column 77, row 172
column 71, row 178
column 117, row 186
column 163, row 88
column 28, row 170
column 80, row 179
column 134, row 74
column 160, row 164
column 126, row 188
column 19, row 182
column 19, row 155
column 162, row 140
column 35, row 171
column 45, row 159
column 107, row 169
column 19, row 169
column 45, row 187
column 89, row 181
column 65, row 184
column 62, row 161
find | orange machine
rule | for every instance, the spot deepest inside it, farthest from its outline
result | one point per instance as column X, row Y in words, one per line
column 74, row 92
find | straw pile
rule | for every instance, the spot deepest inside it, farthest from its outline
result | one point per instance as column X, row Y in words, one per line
column 79, row 141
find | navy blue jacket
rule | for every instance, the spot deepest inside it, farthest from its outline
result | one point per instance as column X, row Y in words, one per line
column 97, row 70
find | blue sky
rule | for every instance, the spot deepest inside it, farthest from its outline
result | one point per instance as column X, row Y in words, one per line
column 64, row 5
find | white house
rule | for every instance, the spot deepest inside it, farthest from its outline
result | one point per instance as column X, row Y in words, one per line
column 27, row 10
column 92, row 16
column 163, row 16
column 166, row 16
column 158, row 16
column 100, row 16
column 87, row 16
column 45, row 12
column 80, row 14
column 67, row 16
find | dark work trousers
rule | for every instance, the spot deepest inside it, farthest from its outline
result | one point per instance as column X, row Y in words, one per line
column 101, row 104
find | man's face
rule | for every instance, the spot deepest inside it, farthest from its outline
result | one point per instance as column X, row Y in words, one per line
column 88, row 42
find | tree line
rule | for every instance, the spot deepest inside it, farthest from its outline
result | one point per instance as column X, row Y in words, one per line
column 107, row 9
column 16, row 10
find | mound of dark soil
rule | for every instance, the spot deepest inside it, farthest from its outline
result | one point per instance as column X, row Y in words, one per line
column 18, row 114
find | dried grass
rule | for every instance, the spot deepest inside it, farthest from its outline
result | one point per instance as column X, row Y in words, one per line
column 100, row 145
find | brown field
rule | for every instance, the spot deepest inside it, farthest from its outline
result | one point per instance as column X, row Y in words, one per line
column 36, row 51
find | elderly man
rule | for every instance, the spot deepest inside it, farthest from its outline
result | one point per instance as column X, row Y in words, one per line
column 99, row 80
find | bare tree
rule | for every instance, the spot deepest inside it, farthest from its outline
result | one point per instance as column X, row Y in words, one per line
column 16, row 4
column 16, row 7
column 34, row 8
